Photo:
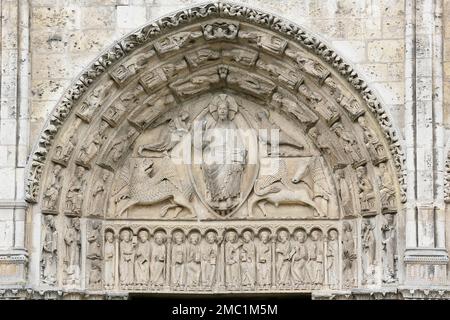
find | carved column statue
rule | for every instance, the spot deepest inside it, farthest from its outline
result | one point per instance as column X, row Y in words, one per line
column 210, row 255
column 94, row 254
column 247, row 260
column 284, row 254
column 300, row 274
column 368, row 244
column 178, row 260
column 232, row 272
column 333, row 259
column 345, row 194
column 142, row 259
column 316, row 258
column 193, row 261
column 348, row 256
column 126, row 258
column 389, row 240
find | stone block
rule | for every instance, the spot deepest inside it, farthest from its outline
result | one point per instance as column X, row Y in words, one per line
column 352, row 50
column 98, row 17
column 129, row 17
column 385, row 50
column 55, row 17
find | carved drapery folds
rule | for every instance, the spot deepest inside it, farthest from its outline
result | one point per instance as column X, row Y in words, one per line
column 303, row 136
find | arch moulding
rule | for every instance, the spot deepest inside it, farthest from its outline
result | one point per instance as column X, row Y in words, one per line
column 308, row 199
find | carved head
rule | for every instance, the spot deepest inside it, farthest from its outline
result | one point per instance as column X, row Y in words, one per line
column 105, row 176
column 361, row 172
column 96, row 225
column 109, row 236
column 231, row 236
column 315, row 235
column 126, row 235
column 362, row 122
column 49, row 221
column 211, row 237
column 80, row 171
column 300, row 236
column 382, row 167
column 347, row 227
column 57, row 169
column 159, row 237
column 283, row 236
column 223, row 107
column 143, row 235
column 333, row 235
column 194, row 238
column 178, row 237
column 340, row 174
column 76, row 223
column 313, row 133
column 247, row 236
column 390, row 218
column 337, row 128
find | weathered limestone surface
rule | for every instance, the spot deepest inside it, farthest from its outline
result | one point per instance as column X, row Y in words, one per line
column 346, row 195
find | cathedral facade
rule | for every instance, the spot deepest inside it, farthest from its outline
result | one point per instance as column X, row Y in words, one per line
column 220, row 147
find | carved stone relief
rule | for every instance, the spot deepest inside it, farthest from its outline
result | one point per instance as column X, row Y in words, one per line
column 210, row 90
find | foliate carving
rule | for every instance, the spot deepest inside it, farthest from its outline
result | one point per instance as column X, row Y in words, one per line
column 389, row 245
column 368, row 256
column 94, row 255
column 75, row 194
column 52, row 193
column 177, row 41
column 72, row 255
column 366, row 191
column 49, row 253
column 220, row 30
column 309, row 66
column 373, row 143
column 349, row 144
column 348, row 255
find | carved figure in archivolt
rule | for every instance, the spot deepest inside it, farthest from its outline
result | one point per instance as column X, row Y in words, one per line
column 158, row 260
column 193, row 260
column 300, row 258
column 263, row 40
column 49, row 251
column 75, row 194
column 210, row 253
column 389, row 240
column 121, row 145
column 151, row 186
column 366, row 192
column 368, row 245
column 373, row 143
column 349, row 143
column 284, row 253
column 202, row 56
column 178, row 260
column 348, row 255
column 387, row 189
column 224, row 154
column 344, row 193
column 315, row 255
column 311, row 67
column 275, row 189
column 274, row 140
column 333, row 259
column 232, row 272
column 91, row 104
column 110, row 260
column 315, row 177
column 126, row 258
column 177, row 41
column 264, row 260
column 292, row 109
column 177, row 128
column 90, row 149
column 327, row 145
column 247, row 260
column 327, row 110
column 142, row 259
column 51, row 194
column 72, row 243
column 99, row 195
column 64, row 150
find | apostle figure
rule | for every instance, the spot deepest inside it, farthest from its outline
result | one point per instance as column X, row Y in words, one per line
column 178, row 259
column 126, row 261
column 49, row 251
column 264, row 259
column 193, row 259
column 209, row 251
column 142, row 260
column 284, row 253
column 72, row 241
column 232, row 274
column 300, row 275
column 158, row 262
column 332, row 259
column 247, row 258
